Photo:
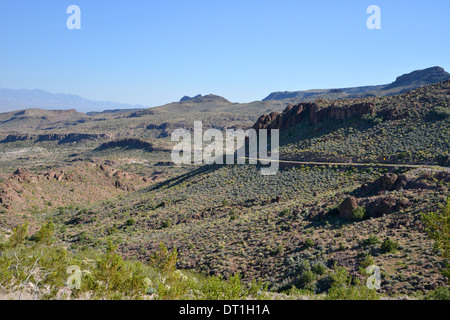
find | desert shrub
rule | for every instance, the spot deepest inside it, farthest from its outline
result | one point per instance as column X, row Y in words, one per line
column 359, row 213
column 318, row 268
column 388, row 246
column 167, row 224
column 164, row 260
column 309, row 243
column 368, row 261
column 280, row 249
column 306, row 280
column 130, row 222
column 372, row 119
column 437, row 225
column 370, row 241
column 441, row 112
column 441, row 293
column 285, row 212
column 113, row 279
column 344, row 287
column 45, row 234
column 18, row 236
column 23, row 262
column 106, row 275
column 112, row 230
column 84, row 237
column 216, row 288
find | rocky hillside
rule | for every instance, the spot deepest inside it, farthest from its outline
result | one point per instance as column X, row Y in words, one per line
column 315, row 112
column 406, row 82
column 410, row 128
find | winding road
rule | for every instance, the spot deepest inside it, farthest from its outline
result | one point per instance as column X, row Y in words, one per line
column 358, row 164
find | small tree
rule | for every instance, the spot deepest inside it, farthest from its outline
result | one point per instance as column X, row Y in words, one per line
column 45, row 234
column 163, row 259
column 19, row 235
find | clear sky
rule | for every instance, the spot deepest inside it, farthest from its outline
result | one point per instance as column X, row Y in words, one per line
column 152, row 52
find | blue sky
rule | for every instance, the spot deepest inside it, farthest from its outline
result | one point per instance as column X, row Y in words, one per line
column 153, row 52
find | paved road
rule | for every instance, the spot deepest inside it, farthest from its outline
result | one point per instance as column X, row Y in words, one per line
column 359, row 164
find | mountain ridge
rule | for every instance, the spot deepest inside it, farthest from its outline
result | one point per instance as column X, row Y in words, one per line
column 403, row 83
column 17, row 99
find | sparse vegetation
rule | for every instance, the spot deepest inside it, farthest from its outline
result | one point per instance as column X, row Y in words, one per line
column 141, row 228
column 388, row 246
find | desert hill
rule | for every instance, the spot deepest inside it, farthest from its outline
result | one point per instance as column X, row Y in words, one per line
column 406, row 82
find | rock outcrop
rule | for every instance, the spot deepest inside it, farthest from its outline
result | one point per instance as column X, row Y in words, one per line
column 347, row 206
column 315, row 112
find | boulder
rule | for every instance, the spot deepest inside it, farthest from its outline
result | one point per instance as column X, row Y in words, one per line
column 401, row 182
column 276, row 200
column 382, row 205
column 347, row 206
column 386, row 182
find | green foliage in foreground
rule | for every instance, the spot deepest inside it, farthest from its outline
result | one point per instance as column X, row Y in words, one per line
column 437, row 225
column 342, row 286
column 51, row 272
column 105, row 275
column 441, row 293
column 345, row 287
column 359, row 213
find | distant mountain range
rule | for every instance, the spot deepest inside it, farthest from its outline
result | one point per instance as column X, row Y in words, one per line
column 13, row 99
column 16, row 99
column 406, row 82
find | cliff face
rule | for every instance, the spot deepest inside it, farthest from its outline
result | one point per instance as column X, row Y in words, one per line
column 315, row 112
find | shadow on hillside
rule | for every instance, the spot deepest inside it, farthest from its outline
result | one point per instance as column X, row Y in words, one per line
column 126, row 144
column 182, row 178
column 304, row 131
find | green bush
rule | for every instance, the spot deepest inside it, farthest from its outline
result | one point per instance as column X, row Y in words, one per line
column 370, row 241
column 441, row 112
column 441, row 293
column 216, row 288
column 437, row 225
column 167, row 224
column 19, row 235
column 345, row 287
column 388, row 246
column 112, row 230
column 45, row 234
column 318, row 268
column 368, row 261
column 309, row 243
column 359, row 213
column 164, row 260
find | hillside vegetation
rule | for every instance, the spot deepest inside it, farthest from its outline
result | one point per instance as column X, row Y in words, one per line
column 103, row 195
